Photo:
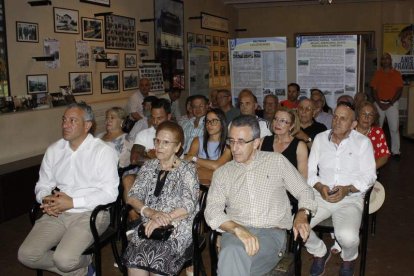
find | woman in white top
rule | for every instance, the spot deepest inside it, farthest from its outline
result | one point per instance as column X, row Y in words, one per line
column 114, row 136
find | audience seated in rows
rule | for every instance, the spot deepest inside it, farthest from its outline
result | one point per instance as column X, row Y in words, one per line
column 247, row 201
column 168, row 198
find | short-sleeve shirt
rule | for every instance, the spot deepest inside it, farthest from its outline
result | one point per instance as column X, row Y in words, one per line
column 146, row 138
column 386, row 83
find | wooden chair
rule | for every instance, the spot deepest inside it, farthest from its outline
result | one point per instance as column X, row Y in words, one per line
column 108, row 236
column 326, row 226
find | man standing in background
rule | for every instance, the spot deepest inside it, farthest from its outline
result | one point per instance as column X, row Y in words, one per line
column 387, row 87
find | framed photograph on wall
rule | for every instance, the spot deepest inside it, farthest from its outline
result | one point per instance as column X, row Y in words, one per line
column 222, row 42
column 92, row 29
column 37, row 84
column 143, row 38
column 208, row 40
column 199, row 39
column 190, row 37
column 106, row 3
column 216, row 41
column 130, row 60
column 130, row 79
column 66, row 20
column 27, row 32
column 113, row 61
column 119, row 32
column 81, row 83
column 109, row 82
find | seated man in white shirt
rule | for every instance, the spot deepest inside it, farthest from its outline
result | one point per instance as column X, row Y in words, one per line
column 341, row 169
column 248, row 106
column 84, row 169
column 247, row 200
column 143, row 148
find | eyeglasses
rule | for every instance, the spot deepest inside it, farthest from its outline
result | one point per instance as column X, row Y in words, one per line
column 231, row 142
column 305, row 109
column 368, row 115
column 163, row 143
column 212, row 122
column 201, row 106
column 281, row 121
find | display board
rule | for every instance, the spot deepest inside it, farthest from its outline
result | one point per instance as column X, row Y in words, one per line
column 258, row 64
column 198, row 69
column 328, row 63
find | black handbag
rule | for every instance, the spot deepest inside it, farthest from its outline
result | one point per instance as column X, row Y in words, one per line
column 161, row 234
column 128, row 124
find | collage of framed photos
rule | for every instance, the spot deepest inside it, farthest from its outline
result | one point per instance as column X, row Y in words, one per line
column 113, row 32
column 219, row 60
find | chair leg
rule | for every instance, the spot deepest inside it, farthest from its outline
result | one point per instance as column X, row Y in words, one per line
column 364, row 245
column 98, row 262
column 39, row 272
column 373, row 223
column 297, row 259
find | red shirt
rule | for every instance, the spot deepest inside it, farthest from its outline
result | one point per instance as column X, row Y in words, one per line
column 386, row 83
column 289, row 104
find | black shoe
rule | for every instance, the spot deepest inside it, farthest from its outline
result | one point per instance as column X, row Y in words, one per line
column 396, row 156
column 319, row 263
column 347, row 268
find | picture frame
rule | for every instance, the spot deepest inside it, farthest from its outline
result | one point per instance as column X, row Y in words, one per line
column 37, row 83
column 143, row 38
column 214, row 22
column 81, row 83
column 92, row 29
column 223, row 42
column 216, row 41
column 199, row 39
column 130, row 79
column 120, row 32
column 106, row 3
column 113, row 61
column 208, row 40
column 216, row 56
column 27, row 32
column 223, row 56
column 130, row 60
column 66, row 20
column 109, row 82
column 190, row 37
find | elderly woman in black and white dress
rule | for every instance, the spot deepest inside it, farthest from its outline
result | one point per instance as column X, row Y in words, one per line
column 165, row 192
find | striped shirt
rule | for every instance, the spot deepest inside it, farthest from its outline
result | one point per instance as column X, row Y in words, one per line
column 254, row 194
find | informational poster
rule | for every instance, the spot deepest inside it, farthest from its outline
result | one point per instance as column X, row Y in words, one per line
column 399, row 42
column 198, row 69
column 82, row 53
column 328, row 63
column 258, row 64
column 153, row 72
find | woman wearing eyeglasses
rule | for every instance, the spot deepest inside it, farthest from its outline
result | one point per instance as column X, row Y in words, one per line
column 209, row 151
column 367, row 116
column 284, row 126
column 165, row 192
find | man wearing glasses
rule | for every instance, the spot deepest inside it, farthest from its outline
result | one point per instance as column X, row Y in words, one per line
column 247, row 201
column 224, row 103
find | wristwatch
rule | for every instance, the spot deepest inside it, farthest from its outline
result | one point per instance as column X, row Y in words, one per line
column 194, row 159
column 306, row 211
column 309, row 140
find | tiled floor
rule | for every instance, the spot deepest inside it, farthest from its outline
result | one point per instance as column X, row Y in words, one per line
column 390, row 252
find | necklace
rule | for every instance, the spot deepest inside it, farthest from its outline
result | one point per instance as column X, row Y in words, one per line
column 364, row 132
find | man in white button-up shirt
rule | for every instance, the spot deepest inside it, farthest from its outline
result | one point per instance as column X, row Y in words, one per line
column 78, row 173
column 341, row 169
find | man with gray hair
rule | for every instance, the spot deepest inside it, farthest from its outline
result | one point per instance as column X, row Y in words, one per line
column 247, row 200
column 78, row 173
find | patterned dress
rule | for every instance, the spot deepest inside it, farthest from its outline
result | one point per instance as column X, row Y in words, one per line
column 180, row 190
